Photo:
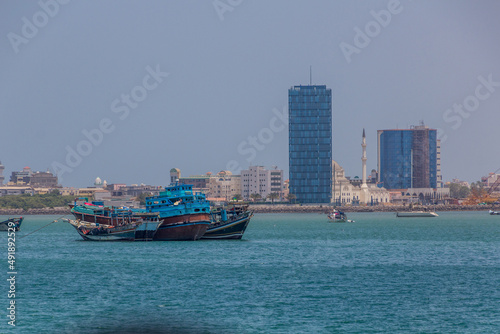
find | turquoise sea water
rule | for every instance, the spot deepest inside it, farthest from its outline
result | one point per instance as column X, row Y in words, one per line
column 292, row 273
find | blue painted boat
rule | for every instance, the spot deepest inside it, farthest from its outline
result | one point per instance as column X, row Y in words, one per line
column 185, row 215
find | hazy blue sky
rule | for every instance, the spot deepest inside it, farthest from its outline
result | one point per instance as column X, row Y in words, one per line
column 71, row 68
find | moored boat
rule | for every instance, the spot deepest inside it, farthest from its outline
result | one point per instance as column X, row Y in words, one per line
column 185, row 215
column 417, row 214
column 96, row 212
column 228, row 223
column 142, row 230
column 12, row 223
column 337, row 216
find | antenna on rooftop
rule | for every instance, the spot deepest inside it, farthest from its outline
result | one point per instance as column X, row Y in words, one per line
column 310, row 75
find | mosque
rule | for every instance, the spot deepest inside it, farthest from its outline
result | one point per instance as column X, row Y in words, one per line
column 350, row 192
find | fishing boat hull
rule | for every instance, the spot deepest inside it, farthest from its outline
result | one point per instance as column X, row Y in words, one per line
column 137, row 231
column 232, row 229
column 420, row 214
column 128, row 235
column 147, row 230
column 182, row 231
column 11, row 223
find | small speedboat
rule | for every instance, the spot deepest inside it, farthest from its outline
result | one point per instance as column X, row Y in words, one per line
column 494, row 212
column 337, row 216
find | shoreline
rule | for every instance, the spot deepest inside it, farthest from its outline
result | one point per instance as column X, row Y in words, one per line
column 297, row 208
column 287, row 208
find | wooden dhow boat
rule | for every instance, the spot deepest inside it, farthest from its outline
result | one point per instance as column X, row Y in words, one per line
column 228, row 223
column 141, row 230
column 184, row 215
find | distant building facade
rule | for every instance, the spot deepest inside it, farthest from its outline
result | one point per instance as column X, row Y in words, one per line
column 33, row 179
column 43, row 180
column 407, row 158
column 2, row 168
column 22, row 177
column 222, row 186
column 439, row 176
column 258, row 180
column 200, row 183
column 310, row 143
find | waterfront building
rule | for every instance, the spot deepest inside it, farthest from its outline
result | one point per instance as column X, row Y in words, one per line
column 259, row 180
column 223, row 186
column 286, row 189
column 68, row 191
column 357, row 192
column 43, row 180
column 15, row 190
column 200, row 183
column 407, row 158
column 33, row 179
column 491, row 183
column 459, row 182
column 2, row 168
column 175, row 175
column 21, row 177
column 310, row 143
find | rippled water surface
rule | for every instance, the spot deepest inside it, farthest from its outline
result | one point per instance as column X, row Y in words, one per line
column 292, row 273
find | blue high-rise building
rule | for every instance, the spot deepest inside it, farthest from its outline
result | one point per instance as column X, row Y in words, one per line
column 310, row 143
column 407, row 158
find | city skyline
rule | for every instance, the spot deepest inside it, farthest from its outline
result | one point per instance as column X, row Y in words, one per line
column 126, row 90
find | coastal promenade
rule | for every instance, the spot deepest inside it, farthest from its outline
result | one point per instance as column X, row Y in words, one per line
column 287, row 208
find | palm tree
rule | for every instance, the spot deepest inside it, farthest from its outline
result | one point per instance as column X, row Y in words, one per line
column 291, row 197
column 255, row 196
column 273, row 196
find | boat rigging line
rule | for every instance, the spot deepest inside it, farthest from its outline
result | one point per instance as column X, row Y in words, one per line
column 52, row 222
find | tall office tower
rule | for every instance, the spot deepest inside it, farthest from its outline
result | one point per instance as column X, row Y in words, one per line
column 310, row 143
column 407, row 158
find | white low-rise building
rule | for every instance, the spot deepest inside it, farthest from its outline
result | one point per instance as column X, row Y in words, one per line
column 258, row 180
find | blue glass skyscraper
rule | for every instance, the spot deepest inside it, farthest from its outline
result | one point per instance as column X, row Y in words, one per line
column 310, row 143
column 407, row 158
